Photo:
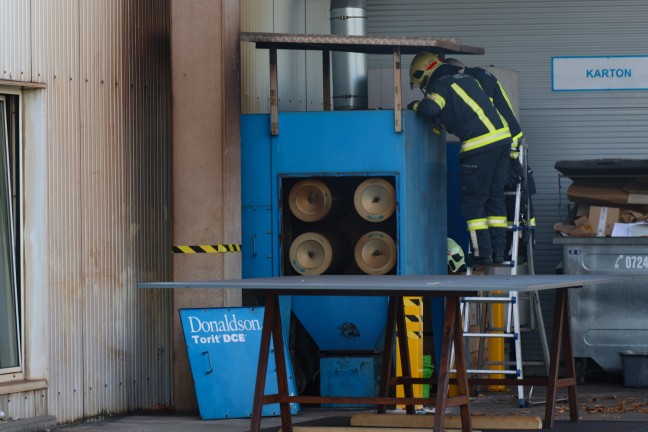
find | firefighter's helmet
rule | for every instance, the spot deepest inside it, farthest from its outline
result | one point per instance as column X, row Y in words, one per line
column 456, row 258
column 422, row 67
column 456, row 63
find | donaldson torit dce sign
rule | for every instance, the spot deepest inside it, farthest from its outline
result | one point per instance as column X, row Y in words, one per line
column 223, row 347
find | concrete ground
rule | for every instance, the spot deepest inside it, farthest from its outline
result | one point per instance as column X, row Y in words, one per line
column 604, row 406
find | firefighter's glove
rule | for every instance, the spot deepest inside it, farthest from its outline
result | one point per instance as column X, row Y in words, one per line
column 413, row 105
column 426, row 108
column 516, row 171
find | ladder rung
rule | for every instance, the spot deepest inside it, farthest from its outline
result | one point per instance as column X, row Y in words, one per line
column 492, row 335
column 500, row 363
column 533, row 363
column 488, row 299
column 502, row 264
column 489, row 371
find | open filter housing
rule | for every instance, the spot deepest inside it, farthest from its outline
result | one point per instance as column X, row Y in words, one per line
column 340, row 192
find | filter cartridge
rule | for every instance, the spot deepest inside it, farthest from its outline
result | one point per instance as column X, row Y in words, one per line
column 314, row 253
column 375, row 199
column 375, row 253
column 310, row 200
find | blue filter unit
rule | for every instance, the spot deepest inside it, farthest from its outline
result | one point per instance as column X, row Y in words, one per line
column 341, row 192
column 350, row 375
column 456, row 221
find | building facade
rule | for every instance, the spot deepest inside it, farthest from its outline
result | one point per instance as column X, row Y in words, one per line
column 86, row 125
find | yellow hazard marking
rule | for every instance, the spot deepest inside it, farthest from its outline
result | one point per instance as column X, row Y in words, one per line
column 221, row 248
column 414, row 318
column 412, row 301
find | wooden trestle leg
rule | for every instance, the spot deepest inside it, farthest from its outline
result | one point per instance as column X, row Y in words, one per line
column 561, row 338
column 452, row 334
column 271, row 330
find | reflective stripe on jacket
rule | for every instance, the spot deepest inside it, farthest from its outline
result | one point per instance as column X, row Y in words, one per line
column 465, row 110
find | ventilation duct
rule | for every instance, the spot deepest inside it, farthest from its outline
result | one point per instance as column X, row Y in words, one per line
column 349, row 18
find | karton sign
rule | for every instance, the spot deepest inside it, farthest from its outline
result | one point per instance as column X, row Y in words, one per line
column 599, row 73
column 223, row 348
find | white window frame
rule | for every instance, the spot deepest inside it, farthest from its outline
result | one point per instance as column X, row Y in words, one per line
column 17, row 372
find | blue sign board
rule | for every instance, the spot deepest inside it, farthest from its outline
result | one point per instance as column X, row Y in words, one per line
column 223, row 348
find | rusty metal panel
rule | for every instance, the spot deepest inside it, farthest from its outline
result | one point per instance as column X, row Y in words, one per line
column 15, row 46
column 56, row 59
column 106, row 67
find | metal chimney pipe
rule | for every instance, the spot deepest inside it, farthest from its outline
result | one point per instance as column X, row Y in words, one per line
column 349, row 18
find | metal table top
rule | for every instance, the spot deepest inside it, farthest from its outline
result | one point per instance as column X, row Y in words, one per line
column 391, row 283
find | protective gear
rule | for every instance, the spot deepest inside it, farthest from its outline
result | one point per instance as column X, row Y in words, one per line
column 456, row 257
column 422, row 68
column 497, row 94
column 516, row 171
column 413, row 105
column 515, row 145
column 483, row 178
column 459, row 103
column 456, row 63
column 427, row 108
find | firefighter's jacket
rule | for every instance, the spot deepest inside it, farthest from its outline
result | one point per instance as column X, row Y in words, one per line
column 462, row 107
column 495, row 91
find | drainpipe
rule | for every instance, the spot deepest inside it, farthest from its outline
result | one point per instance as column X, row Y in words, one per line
column 349, row 18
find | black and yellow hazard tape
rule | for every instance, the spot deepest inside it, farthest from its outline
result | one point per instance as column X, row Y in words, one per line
column 221, row 248
column 412, row 301
column 414, row 335
column 413, row 319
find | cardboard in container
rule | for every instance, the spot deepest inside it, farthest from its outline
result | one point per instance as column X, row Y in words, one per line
column 602, row 220
column 581, row 228
column 637, row 192
column 598, row 192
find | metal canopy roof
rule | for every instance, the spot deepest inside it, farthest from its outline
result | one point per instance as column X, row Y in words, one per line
column 360, row 44
column 396, row 46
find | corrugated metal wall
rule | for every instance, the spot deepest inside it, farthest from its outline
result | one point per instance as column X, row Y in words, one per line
column 15, row 20
column 519, row 35
column 524, row 35
column 107, row 103
column 300, row 73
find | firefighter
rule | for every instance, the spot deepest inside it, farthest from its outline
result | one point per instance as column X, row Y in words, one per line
column 497, row 94
column 455, row 102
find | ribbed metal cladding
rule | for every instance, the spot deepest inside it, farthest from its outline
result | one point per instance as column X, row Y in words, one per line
column 300, row 73
column 14, row 51
column 524, row 36
column 106, row 66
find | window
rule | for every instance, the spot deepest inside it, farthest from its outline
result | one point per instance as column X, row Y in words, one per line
column 10, row 334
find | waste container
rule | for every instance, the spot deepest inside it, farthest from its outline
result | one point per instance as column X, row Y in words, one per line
column 607, row 319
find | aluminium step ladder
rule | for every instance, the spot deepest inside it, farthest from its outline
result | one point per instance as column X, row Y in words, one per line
column 511, row 328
